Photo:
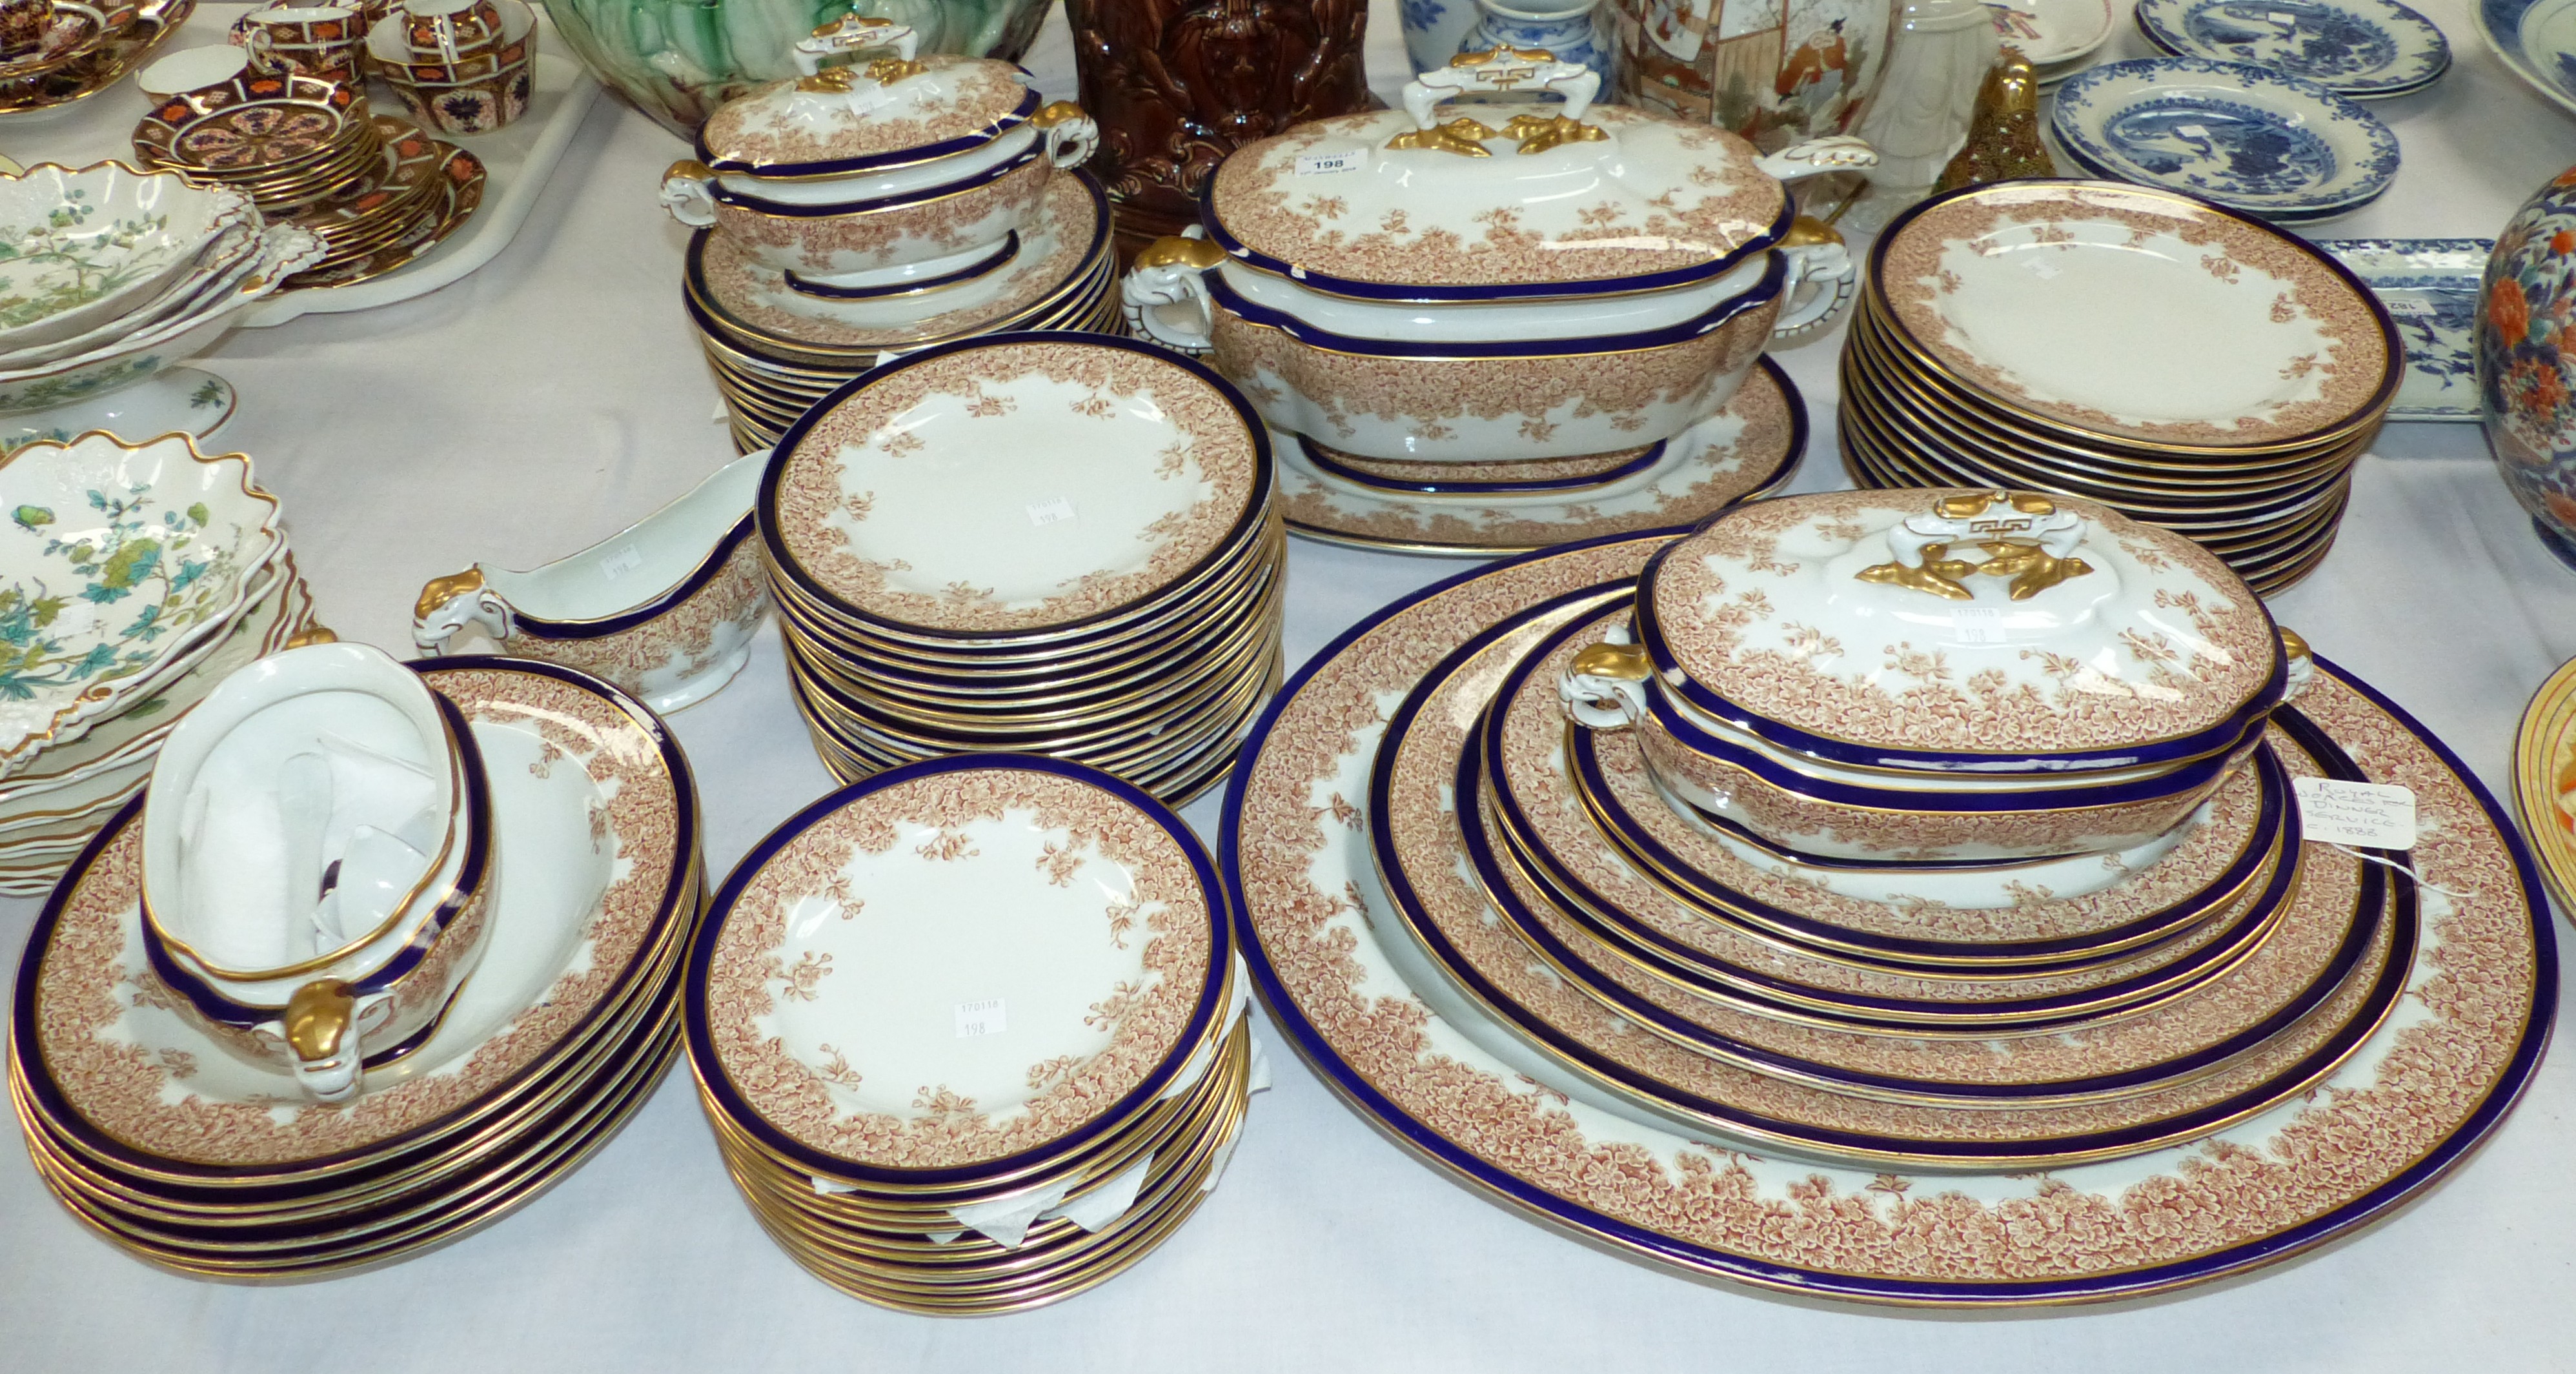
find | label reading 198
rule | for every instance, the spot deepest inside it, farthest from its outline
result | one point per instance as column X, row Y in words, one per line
column 1055, row 512
column 981, row 1018
column 1979, row 624
column 1321, row 164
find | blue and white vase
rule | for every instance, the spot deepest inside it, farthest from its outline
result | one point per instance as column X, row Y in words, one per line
column 1433, row 29
column 1563, row 28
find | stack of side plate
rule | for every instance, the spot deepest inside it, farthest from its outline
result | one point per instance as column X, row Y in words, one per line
column 1047, row 543
column 1956, row 1087
column 971, row 1032
column 776, row 351
column 2187, row 366
column 191, row 1158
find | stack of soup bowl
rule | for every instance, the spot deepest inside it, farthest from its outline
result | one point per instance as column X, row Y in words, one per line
column 2188, row 366
column 139, row 575
column 1015, row 1063
column 113, row 274
column 1937, row 828
column 375, row 189
column 1532, row 296
column 460, row 67
column 411, row 941
column 1049, row 543
column 877, row 208
column 79, row 49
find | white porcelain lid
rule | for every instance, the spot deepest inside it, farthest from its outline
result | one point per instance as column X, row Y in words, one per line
column 960, row 962
column 1955, row 622
column 1586, row 204
column 879, row 114
column 1012, row 483
column 2137, row 313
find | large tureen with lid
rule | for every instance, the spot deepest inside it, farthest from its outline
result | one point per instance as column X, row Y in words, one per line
column 898, row 170
column 1521, row 278
column 1939, row 676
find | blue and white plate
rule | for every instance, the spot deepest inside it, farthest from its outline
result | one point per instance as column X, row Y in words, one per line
column 2360, row 48
column 2430, row 287
column 2537, row 39
column 2247, row 137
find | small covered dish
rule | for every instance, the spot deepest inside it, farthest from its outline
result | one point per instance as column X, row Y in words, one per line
column 899, row 168
column 1518, row 279
column 1939, row 676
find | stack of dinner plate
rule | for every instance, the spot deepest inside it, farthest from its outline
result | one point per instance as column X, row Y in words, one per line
column 1890, row 896
column 1047, row 543
column 86, row 49
column 971, row 1032
column 776, row 351
column 1949, row 828
column 139, row 576
column 193, row 1151
column 2187, row 366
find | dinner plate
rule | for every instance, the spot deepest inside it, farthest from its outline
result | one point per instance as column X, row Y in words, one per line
column 2420, row 1094
column 2537, row 40
column 1745, row 451
column 2364, row 49
column 2247, row 137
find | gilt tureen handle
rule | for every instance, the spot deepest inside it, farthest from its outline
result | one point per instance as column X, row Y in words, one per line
column 1165, row 297
column 1492, row 72
column 2023, row 535
column 1604, row 688
column 857, row 33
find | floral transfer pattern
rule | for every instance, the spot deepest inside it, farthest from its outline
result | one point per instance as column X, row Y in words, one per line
column 1713, row 605
column 708, row 627
column 2354, row 371
column 2412, row 1089
column 1695, row 480
column 86, row 983
column 812, row 498
column 779, row 124
column 1708, row 201
column 1145, row 1016
column 829, row 244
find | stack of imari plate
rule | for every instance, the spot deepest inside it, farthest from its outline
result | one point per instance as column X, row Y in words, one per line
column 1046, row 543
column 2189, row 367
column 180, row 1152
column 776, row 351
column 972, row 1032
column 1720, row 1042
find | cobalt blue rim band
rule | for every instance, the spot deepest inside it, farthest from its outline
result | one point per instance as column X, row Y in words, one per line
column 2134, row 938
column 2395, row 345
column 1256, row 507
column 1002, row 254
column 788, row 209
column 1315, row 455
column 698, row 577
column 2214, row 739
column 710, row 1068
column 742, row 337
column 1774, row 278
column 906, row 157
column 1581, row 970
column 1584, row 905
column 680, row 900
column 1589, row 908
column 1438, row 1150
column 1354, row 289
column 471, row 876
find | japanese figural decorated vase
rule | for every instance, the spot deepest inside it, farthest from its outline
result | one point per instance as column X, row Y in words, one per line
column 2522, row 361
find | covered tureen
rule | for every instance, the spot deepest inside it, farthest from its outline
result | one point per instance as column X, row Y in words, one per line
column 1522, row 278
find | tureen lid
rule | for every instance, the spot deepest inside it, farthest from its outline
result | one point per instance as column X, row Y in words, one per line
column 888, row 112
column 1962, row 630
column 1514, row 198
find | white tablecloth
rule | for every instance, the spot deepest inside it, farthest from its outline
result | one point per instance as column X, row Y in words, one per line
column 557, row 395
